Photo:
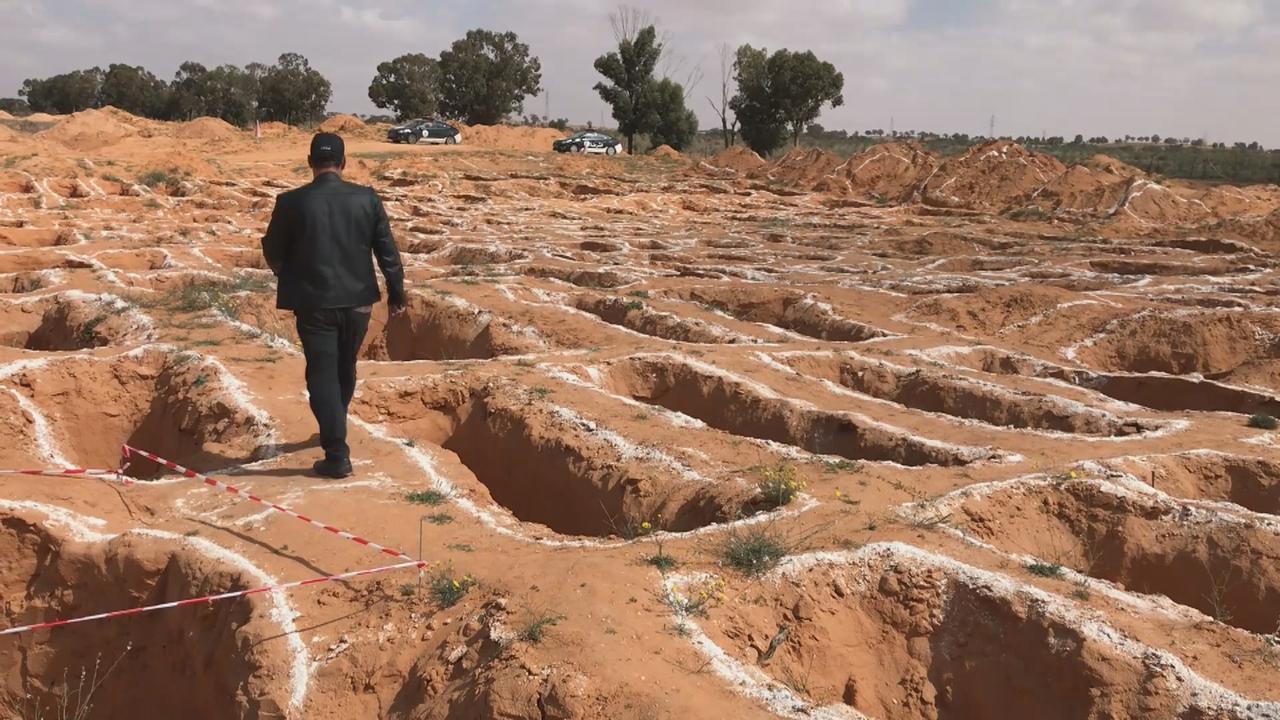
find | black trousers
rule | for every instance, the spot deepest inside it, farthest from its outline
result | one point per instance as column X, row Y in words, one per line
column 331, row 341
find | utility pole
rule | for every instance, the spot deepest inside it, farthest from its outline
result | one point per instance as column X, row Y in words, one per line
column 991, row 133
column 892, row 132
column 547, row 116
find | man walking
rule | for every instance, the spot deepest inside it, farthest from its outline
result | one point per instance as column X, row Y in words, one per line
column 319, row 244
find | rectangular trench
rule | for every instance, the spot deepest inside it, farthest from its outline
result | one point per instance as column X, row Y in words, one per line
column 738, row 407
column 1168, row 393
column 959, row 397
column 1228, row 570
column 169, row 404
column 897, row 633
column 551, row 467
column 636, row 315
column 799, row 313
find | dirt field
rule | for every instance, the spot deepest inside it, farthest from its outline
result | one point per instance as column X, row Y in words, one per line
column 1011, row 397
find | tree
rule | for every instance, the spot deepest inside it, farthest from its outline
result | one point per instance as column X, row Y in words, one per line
column 728, row 131
column 232, row 93
column 486, row 76
column 65, row 93
column 629, row 71
column 409, row 85
column 133, row 89
column 292, row 92
column 779, row 95
column 763, row 128
column 189, row 92
column 801, row 85
column 1155, row 138
column 676, row 124
column 1079, row 140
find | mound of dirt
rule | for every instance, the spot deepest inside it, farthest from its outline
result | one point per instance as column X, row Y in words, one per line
column 1147, row 202
column 1225, row 201
column 342, row 123
column 1180, row 344
column 273, row 128
column 939, row 243
column 666, row 151
column 739, row 159
column 890, row 171
column 42, row 117
column 994, row 175
column 1085, row 189
column 7, row 135
column 93, row 129
column 990, row 310
column 208, row 128
column 508, row 137
column 1112, row 166
column 5, row 116
column 1264, row 231
column 800, row 168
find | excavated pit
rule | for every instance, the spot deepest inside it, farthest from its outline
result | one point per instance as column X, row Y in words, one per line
column 636, row 315
column 960, row 397
column 741, row 407
column 205, row 662
column 802, row 314
column 1229, row 570
column 1250, row 482
column 173, row 405
column 896, row 633
column 33, row 237
column 19, row 283
column 235, row 258
column 1158, row 392
column 66, row 322
column 1182, row 344
column 582, row 278
column 447, row 328
column 480, row 255
column 548, row 466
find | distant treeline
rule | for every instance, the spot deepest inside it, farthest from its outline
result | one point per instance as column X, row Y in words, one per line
column 1238, row 163
column 288, row 91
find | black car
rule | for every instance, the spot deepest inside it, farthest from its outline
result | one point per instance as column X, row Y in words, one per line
column 588, row 142
column 429, row 131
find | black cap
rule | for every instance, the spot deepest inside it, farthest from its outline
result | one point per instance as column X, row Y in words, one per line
column 327, row 148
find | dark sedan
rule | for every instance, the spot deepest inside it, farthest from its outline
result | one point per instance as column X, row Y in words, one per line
column 428, row 131
column 588, row 142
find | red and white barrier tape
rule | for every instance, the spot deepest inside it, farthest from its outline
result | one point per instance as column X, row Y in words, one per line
column 70, row 472
column 130, row 451
column 209, row 598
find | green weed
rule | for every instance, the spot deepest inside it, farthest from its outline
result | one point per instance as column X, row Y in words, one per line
column 752, row 552
column 426, row 497
column 448, row 590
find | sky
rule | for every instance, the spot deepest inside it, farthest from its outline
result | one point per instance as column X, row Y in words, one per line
column 1186, row 68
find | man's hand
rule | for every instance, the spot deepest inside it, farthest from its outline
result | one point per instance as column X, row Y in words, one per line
column 397, row 306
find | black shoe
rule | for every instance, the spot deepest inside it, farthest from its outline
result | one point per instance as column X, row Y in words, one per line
column 335, row 469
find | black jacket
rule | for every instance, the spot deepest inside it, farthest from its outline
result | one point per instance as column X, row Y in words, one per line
column 320, row 242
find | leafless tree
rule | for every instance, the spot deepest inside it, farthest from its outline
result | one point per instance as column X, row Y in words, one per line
column 628, row 21
column 721, row 108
